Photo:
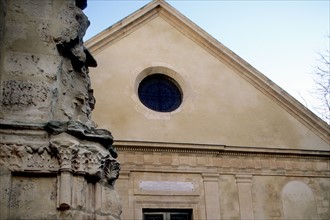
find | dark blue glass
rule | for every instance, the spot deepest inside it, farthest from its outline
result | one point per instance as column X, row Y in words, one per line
column 160, row 93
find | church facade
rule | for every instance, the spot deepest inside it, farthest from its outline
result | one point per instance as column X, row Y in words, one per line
column 199, row 132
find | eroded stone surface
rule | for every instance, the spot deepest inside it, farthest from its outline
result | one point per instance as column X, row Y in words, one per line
column 43, row 45
column 18, row 95
column 54, row 163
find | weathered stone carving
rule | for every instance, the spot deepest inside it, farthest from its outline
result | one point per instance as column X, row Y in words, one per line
column 88, row 159
column 19, row 94
column 111, row 170
column 19, row 157
column 74, row 80
column 83, row 132
column 83, row 168
column 11, row 156
column 54, row 163
column 40, row 157
column 83, row 158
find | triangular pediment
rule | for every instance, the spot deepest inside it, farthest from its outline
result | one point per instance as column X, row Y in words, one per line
column 160, row 9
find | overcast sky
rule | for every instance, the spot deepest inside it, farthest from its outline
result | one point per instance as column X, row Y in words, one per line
column 279, row 38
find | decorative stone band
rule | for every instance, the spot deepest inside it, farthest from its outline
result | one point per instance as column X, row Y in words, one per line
column 217, row 150
column 64, row 153
column 26, row 157
column 201, row 158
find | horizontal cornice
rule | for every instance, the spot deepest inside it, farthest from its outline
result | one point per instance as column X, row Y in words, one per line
column 216, row 150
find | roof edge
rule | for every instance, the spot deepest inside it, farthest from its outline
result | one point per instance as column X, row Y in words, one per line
column 137, row 17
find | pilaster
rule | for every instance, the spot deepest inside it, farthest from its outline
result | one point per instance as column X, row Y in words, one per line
column 245, row 196
column 212, row 195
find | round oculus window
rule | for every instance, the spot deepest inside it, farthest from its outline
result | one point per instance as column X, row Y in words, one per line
column 160, row 93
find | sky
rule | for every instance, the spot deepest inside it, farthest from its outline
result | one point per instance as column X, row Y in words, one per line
column 280, row 38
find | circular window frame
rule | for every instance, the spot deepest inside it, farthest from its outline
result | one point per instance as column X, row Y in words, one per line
column 171, row 76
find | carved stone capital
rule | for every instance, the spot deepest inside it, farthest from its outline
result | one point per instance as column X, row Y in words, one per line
column 66, row 149
column 84, row 158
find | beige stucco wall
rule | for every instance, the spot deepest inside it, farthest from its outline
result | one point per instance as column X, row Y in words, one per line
column 219, row 106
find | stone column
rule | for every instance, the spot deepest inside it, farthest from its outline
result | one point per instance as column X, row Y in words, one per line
column 212, row 196
column 54, row 162
column 245, row 196
column 67, row 149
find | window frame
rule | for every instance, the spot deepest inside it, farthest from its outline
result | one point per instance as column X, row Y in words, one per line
column 167, row 212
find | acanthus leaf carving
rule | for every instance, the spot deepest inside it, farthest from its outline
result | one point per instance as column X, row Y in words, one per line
column 80, row 161
column 65, row 150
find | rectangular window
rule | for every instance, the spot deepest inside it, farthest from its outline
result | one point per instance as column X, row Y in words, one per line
column 167, row 214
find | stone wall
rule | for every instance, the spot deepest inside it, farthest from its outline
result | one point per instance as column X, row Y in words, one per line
column 54, row 163
column 223, row 182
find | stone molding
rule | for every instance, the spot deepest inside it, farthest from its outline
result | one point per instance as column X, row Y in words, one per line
column 144, row 156
column 210, row 177
column 218, row 150
column 241, row 178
